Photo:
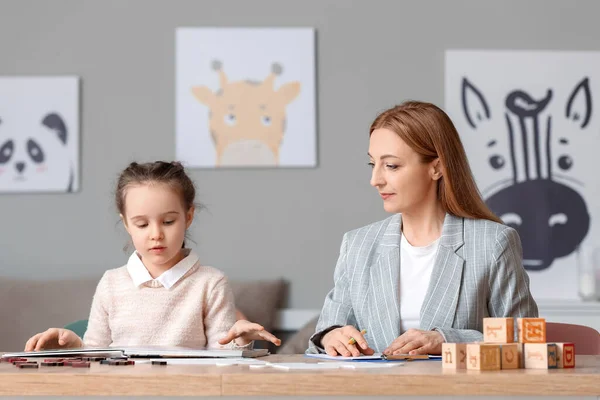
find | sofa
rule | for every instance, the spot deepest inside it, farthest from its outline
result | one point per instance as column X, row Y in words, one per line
column 30, row 306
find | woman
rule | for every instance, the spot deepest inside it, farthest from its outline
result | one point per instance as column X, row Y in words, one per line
column 431, row 272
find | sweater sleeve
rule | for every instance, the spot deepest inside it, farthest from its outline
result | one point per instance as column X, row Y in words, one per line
column 98, row 330
column 219, row 314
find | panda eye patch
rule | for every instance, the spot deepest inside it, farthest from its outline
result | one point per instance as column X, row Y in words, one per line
column 35, row 151
column 6, row 151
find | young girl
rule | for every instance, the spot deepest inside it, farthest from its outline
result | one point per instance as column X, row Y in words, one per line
column 164, row 296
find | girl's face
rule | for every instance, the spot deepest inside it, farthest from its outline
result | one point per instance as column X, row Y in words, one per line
column 156, row 221
column 403, row 180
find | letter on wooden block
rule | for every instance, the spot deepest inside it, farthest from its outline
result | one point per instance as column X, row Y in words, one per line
column 510, row 355
column 531, row 330
column 539, row 355
column 483, row 356
column 498, row 330
column 565, row 355
column 454, row 355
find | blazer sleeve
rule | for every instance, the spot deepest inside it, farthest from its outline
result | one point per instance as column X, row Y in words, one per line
column 509, row 293
column 337, row 310
column 509, row 283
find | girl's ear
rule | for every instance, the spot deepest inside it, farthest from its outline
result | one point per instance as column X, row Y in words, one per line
column 436, row 169
column 189, row 216
column 124, row 223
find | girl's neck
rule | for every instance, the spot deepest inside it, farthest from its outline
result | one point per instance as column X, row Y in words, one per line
column 156, row 270
column 423, row 226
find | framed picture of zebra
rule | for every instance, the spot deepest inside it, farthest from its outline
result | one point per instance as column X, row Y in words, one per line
column 530, row 123
column 245, row 97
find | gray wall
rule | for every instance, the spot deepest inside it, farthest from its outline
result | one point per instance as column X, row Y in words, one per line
column 259, row 224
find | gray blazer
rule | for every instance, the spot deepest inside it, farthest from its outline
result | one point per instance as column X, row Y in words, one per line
column 477, row 273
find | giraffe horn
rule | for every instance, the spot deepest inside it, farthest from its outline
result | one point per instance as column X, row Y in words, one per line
column 218, row 66
column 276, row 70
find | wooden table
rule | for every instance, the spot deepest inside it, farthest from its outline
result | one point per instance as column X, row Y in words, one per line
column 412, row 378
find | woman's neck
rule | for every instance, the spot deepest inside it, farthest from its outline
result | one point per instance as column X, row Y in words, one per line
column 423, row 226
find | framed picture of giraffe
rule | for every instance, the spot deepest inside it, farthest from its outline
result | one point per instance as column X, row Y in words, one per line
column 530, row 124
column 245, row 97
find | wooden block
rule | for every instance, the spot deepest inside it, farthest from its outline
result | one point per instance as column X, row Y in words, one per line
column 454, row 355
column 498, row 330
column 510, row 355
column 539, row 355
column 483, row 356
column 565, row 355
column 531, row 330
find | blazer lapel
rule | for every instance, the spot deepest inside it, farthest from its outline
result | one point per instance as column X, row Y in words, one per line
column 439, row 305
column 384, row 300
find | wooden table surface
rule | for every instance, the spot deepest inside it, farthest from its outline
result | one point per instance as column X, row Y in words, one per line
column 412, row 378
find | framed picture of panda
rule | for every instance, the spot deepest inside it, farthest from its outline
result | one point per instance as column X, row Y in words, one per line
column 39, row 134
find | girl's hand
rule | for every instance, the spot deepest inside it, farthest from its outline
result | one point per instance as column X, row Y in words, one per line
column 54, row 338
column 245, row 331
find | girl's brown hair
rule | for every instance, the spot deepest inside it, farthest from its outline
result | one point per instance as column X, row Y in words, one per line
column 429, row 131
column 170, row 173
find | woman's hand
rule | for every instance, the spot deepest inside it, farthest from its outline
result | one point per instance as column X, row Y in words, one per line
column 415, row 341
column 243, row 332
column 54, row 338
column 339, row 341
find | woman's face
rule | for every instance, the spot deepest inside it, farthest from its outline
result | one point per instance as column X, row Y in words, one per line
column 403, row 180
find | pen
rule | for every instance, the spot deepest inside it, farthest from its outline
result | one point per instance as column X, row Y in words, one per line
column 353, row 341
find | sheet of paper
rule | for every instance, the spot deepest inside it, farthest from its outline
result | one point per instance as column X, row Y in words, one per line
column 204, row 361
column 363, row 365
column 303, row 366
column 374, row 357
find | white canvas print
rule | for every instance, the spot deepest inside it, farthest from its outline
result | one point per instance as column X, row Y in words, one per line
column 245, row 97
column 530, row 123
column 39, row 134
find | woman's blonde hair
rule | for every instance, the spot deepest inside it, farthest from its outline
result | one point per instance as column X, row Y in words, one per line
column 429, row 131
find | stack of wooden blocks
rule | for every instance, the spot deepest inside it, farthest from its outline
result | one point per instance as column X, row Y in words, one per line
column 499, row 350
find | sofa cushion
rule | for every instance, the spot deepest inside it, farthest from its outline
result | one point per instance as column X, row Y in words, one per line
column 28, row 307
column 259, row 300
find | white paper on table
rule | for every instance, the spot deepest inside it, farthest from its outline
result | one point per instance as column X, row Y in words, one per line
column 363, row 365
column 304, row 366
column 205, row 361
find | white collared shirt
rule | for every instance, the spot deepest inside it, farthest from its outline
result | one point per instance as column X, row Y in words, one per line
column 140, row 275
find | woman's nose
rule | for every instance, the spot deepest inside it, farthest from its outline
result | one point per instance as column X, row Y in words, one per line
column 376, row 178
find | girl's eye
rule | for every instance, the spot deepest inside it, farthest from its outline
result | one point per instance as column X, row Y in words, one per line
column 142, row 225
column 168, row 222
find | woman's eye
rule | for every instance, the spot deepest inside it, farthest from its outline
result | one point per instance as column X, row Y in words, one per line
column 168, row 222
column 142, row 225
column 391, row 166
column 372, row 165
